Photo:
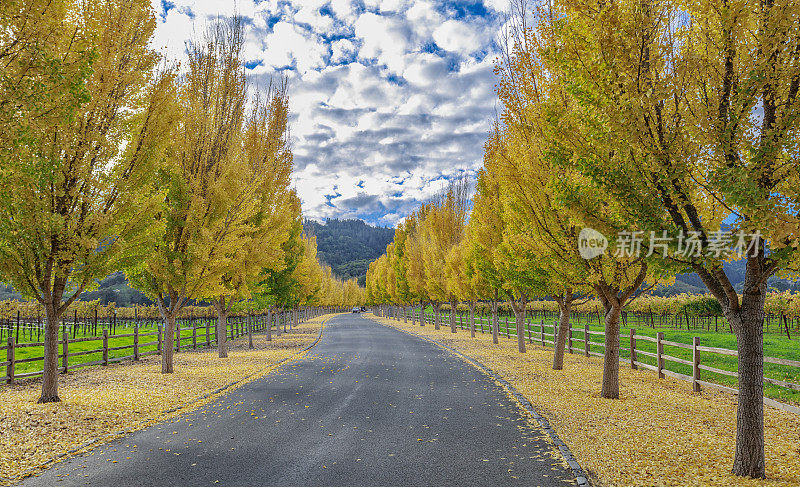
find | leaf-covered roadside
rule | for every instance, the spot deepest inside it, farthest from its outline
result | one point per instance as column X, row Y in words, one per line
column 102, row 401
column 658, row 433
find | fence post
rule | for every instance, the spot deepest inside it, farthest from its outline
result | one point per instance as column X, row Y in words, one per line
column 632, row 333
column 11, row 358
column 105, row 346
column 541, row 331
column 530, row 331
column 249, row 330
column 177, row 335
column 659, row 353
column 586, row 338
column 159, row 339
column 65, row 349
column 555, row 334
column 208, row 333
column 194, row 333
column 695, row 364
column 569, row 337
column 136, row 341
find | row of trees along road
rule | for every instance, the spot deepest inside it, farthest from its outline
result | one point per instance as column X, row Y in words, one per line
column 627, row 116
column 112, row 158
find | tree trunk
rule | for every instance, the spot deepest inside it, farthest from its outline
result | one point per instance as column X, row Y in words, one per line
column 421, row 313
column 269, row 325
column 610, row 388
column 168, row 346
column 495, row 332
column 565, row 308
column 436, row 315
column 749, row 458
column 747, row 321
column 222, row 332
column 472, row 319
column 452, row 316
column 249, row 331
column 50, row 368
column 519, row 321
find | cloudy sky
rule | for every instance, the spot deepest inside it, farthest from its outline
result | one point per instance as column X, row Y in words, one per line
column 389, row 98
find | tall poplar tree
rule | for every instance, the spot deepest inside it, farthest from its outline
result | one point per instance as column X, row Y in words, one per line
column 485, row 234
column 442, row 229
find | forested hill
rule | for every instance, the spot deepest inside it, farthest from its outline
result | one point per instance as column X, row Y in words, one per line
column 348, row 246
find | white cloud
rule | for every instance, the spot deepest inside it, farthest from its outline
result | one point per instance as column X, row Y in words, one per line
column 425, row 69
column 309, row 14
column 424, row 17
column 383, row 38
column 458, row 37
column 373, row 114
column 342, row 49
column 385, row 5
column 343, row 9
column 501, row 6
column 289, row 43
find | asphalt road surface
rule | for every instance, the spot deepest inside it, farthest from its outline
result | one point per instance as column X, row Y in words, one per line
column 368, row 406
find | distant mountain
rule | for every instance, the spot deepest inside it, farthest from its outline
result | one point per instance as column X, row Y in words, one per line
column 115, row 288
column 348, row 246
column 112, row 289
column 691, row 283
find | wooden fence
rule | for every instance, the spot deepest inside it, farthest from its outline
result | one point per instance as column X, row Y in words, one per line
column 776, row 323
column 545, row 335
column 145, row 343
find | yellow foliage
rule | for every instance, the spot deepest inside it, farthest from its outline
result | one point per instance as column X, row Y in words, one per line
column 658, row 433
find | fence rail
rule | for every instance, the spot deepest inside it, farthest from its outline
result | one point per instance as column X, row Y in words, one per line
column 545, row 334
column 186, row 337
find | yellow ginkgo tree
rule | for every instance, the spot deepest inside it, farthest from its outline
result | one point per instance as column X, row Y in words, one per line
column 443, row 228
column 213, row 189
column 263, row 210
column 686, row 119
column 84, row 117
column 484, row 234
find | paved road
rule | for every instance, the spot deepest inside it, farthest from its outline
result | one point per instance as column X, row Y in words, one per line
column 369, row 406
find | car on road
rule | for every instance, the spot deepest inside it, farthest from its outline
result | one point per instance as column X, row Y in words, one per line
column 356, row 309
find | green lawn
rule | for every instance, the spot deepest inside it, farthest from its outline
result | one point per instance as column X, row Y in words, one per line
column 22, row 353
column 775, row 345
